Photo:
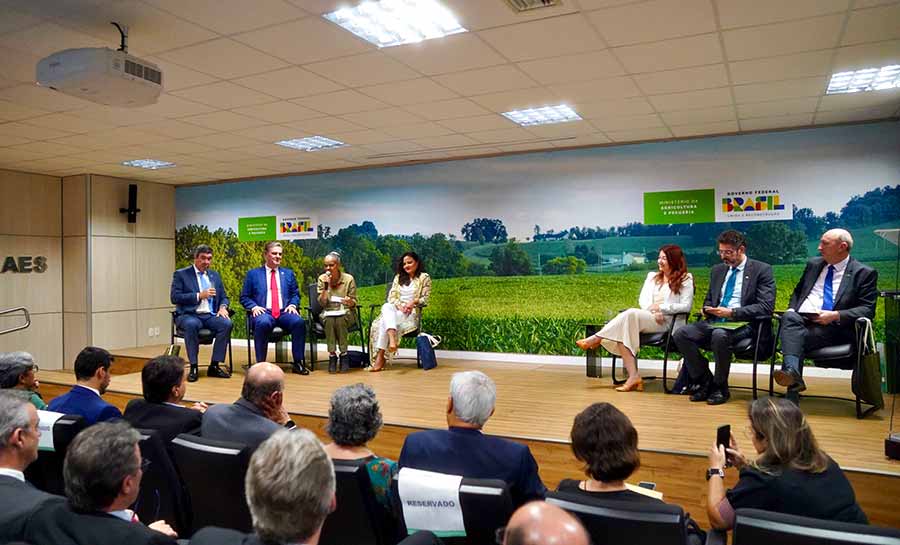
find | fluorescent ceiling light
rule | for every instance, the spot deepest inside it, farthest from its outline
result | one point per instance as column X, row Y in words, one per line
column 397, row 22
column 543, row 116
column 152, row 164
column 867, row 79
column 312, row 143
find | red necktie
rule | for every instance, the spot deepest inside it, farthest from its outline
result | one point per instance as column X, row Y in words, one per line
column 276, row 298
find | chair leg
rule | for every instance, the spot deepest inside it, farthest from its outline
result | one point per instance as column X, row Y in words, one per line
column 230, row 359
column 665, row 373
column 313, row 345
column 612, row 371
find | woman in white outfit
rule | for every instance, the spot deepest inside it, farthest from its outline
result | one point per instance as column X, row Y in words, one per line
column 400, row 315
column 665, row 293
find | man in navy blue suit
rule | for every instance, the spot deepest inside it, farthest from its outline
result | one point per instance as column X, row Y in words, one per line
column 200, row 301
column 463, row 449
column 92, row 379
column 271, row 296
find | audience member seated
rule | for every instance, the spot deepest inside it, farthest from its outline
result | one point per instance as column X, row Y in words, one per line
column 103, row 472
column 290, row 492
column 666, row 292
column 164, row 387
column 336, row 283
column 464, row 450
column 353, row 420
column 19, row 372
column 605, row 441
column 19, row 436
column 256, row 415
column 540, row 523
column 792, row 474
column 92, row 379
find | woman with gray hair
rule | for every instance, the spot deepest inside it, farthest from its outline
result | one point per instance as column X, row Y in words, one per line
column 337, row 296
column 353, row 420
column 19, row 372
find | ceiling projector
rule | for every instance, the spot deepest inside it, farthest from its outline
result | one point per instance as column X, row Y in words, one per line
column 102, row 75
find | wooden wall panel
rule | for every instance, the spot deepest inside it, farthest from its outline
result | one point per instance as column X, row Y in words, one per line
column 157, row 216
column 154, row 264
column 107, row 196
column 29, row 204
column 74, row 268
column 160, row 320
column 75, row 205
column 39, row 292
column 113, row 330
column 113, row 284
column 75, row 336
column 43, row 339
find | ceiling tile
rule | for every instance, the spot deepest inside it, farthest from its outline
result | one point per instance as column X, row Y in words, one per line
column 447, row 109
column 558, row 130
column 174, row 129
column 414, row 91
column 290, row 82
column 692, row 100
column 654, row 20
column 278, row 112
column 593, row 139
column 17, row 66
column 13, row 154
column 859, row 114
column 873, row 25
column 377, row 119
column 588, row 5
column 86, row 141
column 515, row 134
column 777, row 122
column 366, row 69
column 638, row 135
column 67, row 123
column 47, row 38
column 126, row 136
column 325, row 125
column 671, row 54
column 846, row 101
column 867, row 55
column 269, row 133
column 478, row 14
column 562, row 35
column 790, row 107
column 686, row 79
column 224, row 95
column 340, row 102
column 177, row 147
column 612, row 108
column 589, row 91
column 225, row 156
column 419, row 130
column 442, row 142
column 173, row 106
column 10, row 140
column 177, row 77
column 759, row 92
column 304, row 41
column 392, row 148
column 363, row 137
column 14, row 20
column 224, row 141
column 11, row 111
column 705, row 128
column 230, row 16
column 47, row 149
column 573, row 68
column 783, row 38
column 270, row 150
column 478, row 123
column 29, row 131
column 697, row 117
column 115, row 116
column 517, row 100
column 35, row 96
column 799, row 65
column 486, row 80
column 738, row 13
column 627, row 123
column 452, row 53
column 223, row 58
column 224, row 121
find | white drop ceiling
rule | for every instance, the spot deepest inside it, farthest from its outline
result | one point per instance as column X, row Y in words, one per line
column 240, row 75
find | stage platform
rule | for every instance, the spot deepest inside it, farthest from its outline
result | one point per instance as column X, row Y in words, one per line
column 537, row 403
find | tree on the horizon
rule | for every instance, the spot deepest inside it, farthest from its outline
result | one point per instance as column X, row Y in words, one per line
column 775, row 243
column 485, row 231
column 510, row 260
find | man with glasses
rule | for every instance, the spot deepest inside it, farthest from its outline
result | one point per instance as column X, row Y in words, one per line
column 19, row 372
column 740, row 290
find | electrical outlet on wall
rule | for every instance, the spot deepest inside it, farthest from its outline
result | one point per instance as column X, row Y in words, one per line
column 149, row 331
column 156, row 331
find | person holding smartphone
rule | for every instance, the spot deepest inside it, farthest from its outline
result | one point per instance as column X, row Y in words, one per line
column 791, row 474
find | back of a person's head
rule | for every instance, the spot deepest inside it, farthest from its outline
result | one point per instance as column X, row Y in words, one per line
column 159, row 376
column 541, row 523
column 13, row 415
column 605, row 440
column 97, row 461
column 474, row 395
column 790, row 442
column 89, row 360
column 262, row 380
column 354, row 417
column 12, row 366
column 290, row 486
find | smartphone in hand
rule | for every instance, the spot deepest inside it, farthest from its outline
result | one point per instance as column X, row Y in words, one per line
column 723, row 437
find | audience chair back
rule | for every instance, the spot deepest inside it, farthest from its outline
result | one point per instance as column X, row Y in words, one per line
column 213, row 473
column 315, row 329
column 358, row 519
column 46, row 473
column 162, row 495
column 634, row 523
column 753, row 526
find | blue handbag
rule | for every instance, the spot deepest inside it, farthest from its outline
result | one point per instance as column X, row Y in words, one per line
column 425, row 344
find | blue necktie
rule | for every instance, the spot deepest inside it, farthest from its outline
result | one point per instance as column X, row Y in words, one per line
column 204, row 285
column 729, row 288
column 828, row 290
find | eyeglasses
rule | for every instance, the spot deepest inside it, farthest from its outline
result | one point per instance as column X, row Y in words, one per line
column 500, row 535
column 727, row 253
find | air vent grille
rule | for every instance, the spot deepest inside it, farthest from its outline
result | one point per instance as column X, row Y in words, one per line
column 143, row 72
column 527, row 5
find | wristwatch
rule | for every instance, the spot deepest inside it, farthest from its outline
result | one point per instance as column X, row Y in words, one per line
column 715, row 471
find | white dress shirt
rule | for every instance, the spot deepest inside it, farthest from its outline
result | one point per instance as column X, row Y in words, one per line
column 14, row 473
column 813, row 301
column 89, row 388
column 269, row 286
column 204, row 305
column 738, row 285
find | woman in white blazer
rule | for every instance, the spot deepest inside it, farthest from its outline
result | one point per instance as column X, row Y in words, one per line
column 665, row 293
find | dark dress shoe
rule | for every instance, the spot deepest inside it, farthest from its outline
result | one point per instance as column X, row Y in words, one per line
column 193, row 375
column 703, row 389
column 332, row 364
column 345, row 363
column 217, row 372
column 793, row 395
column 789, row 379
column 719, row 396
column 298, row 368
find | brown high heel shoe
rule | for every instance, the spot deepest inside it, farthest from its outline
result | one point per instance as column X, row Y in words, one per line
column 638, row 385
column 589, row 343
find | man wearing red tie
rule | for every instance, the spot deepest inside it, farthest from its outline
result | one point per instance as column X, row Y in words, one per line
column 271, row 296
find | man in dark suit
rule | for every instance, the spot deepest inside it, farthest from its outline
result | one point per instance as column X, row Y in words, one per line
column 833, row 292
column 19, row 435
column 271, row 296
column 164, row 387
column 254, row 417
column 740, row 289
column 200, row 301
column 92, row 379
column 290, row 492
column 463, row 449
column 102, row 473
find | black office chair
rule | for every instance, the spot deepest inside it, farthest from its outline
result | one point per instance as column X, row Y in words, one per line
column 204, row 336
column 277, row 334
column 46, row 473
column 162, row 495
column 753, row 349
column 315, row 330
column 213, row 474
column 409, row 334
column 359, row 518
column 662, row 339
column 755, row 526
column 842, row 356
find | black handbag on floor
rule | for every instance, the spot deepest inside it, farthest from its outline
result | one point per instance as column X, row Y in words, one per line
column 425, row 344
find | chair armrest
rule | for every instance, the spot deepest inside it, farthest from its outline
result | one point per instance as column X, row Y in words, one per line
column 716, row 537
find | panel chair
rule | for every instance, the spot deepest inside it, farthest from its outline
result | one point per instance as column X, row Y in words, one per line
column 754, row 526
column 213, row 474
column 277, row 334
column 315, row 329
column 411, row 334
column 842, row 356
column 204, row 336
column 46, row 473
column 358, row 519
column 162, row 495
column 662, row 339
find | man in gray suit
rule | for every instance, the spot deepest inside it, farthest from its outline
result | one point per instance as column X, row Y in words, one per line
column 256, row 415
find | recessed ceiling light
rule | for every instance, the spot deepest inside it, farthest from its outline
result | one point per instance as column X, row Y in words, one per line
column 152, row 164
column 397, row 22
column 543, row 116
column 312, row 143
column 867, row 79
